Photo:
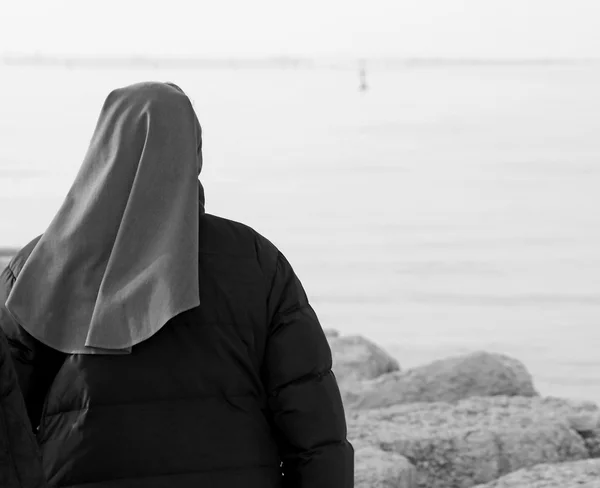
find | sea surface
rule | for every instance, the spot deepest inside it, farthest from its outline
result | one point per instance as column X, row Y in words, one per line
column 445, row 210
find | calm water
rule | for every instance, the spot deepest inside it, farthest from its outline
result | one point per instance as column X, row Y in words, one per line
column 447, row 209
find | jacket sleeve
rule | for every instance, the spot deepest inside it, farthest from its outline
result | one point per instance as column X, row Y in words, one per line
column 20, row 459
column 35, row 363
column 304, row 398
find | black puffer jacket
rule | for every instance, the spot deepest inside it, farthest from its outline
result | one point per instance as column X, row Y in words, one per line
column 218, row 398
column 20, row 460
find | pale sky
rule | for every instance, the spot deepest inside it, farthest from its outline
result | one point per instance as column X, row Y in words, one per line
column 250, row 28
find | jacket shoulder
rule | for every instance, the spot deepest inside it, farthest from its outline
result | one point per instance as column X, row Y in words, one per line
column 17, row 262
column 231, row 237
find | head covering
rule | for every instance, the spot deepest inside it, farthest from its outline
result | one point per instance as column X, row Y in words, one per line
column 120, row 258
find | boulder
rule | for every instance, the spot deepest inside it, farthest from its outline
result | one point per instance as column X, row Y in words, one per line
column 476, row 440
column 587, row 425
column 356, row 358
column 577, row 474
column 375, row 468
column 447, row 380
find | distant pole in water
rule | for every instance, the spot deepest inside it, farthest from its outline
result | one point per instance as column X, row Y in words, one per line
column 363, row 78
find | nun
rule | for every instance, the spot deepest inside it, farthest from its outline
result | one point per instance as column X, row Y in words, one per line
column 157, row 345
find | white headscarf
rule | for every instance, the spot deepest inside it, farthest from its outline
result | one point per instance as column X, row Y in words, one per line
column 120, row 258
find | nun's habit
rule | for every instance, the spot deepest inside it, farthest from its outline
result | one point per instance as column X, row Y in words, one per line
column 160, row 346
column 120, row 257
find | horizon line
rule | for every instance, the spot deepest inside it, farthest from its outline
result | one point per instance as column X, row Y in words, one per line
column 298, row 61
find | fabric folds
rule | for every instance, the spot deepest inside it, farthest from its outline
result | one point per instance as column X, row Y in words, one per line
column 120, row 258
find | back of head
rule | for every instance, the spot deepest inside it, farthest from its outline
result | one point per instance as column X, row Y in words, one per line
column 119, row 259
column 150, row 115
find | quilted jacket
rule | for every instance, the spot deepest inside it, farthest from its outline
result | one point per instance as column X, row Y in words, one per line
column 237, row 392
column 20, row 459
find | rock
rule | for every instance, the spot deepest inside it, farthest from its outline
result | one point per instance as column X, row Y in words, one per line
column 587, row 425
column 449, row 380
column 356, row 358
column 592, row 442
column 476, row 440
column 375, row 468
column 587, row 419
column 578, row 474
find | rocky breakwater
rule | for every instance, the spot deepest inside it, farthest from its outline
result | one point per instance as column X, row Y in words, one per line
column 461, row 422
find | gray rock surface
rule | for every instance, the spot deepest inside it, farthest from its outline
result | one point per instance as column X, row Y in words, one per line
column 588, row 427
column 578, row 474
column 452, row 379
column 356, row 358
column 375, row 468
column 476, row 440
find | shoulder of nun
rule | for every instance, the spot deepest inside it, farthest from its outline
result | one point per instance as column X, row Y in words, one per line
column 247, row 240
column 17, row 262
column 263, row 247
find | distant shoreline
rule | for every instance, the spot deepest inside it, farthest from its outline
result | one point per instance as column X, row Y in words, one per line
column 109, row 62
column 8, row 252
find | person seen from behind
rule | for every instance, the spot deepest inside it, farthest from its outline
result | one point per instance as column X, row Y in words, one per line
column 157, row 345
